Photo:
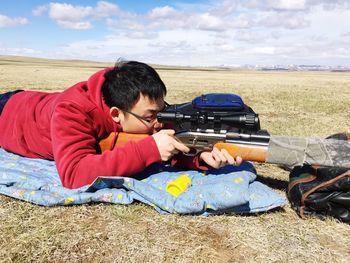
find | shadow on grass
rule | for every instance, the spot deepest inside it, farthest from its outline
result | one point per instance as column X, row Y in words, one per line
column 273, row 182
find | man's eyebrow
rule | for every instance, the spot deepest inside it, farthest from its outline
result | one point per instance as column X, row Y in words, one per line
column 152, row 110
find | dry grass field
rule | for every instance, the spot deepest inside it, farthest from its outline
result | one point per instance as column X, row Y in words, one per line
column 289, row 103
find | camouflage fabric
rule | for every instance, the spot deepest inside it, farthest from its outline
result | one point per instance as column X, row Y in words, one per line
column 297, row 151
column 321, row 191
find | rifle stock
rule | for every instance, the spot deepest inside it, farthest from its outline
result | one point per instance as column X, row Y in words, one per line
column 248, row 152
column 119, row 140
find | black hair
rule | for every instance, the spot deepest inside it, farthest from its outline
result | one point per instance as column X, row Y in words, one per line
column 127, row 80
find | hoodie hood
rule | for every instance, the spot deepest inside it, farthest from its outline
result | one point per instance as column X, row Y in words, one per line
column 94, row 90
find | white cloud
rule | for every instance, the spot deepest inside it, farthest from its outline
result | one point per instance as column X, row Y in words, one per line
column 276, row 35
column 294, row 5
column 224, row 8
column 242, row 21
column 195, row 47
column 330, row 4
column 330, row 23
column 287, row 20
column 6, row 21
column 76, row 16
column 126, row 24
column 343, row 52
column 263, row 50
column 163, row 12
column 167, row 47
column 291, row 5
column 214, row 33
column 165, row 18
column 277, row 5
column 141, row 35
column 107, row 49
column 80, row 25
column 105, row 9
column 248, row 36
column 69, row 16
column 67, row 12
column 39, row 10
column 209, row 22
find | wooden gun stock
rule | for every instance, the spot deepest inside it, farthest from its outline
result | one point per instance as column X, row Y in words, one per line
column 121, row 139
column 247, row 152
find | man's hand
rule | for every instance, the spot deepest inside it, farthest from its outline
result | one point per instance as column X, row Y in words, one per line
column 218, row 159
column 168, row 145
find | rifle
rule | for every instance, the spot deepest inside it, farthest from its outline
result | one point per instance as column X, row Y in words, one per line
column 225, row 122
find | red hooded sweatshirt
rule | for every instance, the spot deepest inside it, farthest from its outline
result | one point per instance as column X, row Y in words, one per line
column 67, row 127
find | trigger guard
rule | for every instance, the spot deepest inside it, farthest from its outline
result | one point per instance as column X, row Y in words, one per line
column 192, row 152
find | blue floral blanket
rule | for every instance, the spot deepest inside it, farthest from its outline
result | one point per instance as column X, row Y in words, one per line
column 231, row 189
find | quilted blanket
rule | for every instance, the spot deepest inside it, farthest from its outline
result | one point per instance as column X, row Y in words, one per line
column 228, row 190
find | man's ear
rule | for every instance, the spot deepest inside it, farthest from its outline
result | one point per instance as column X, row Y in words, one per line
column 115, row 114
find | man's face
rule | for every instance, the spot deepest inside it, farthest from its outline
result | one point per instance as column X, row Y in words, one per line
column 142, row 117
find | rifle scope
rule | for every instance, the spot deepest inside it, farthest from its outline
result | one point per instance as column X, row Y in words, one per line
column 233, row 119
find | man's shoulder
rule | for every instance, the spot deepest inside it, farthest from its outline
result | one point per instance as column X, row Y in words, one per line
column 77, row 96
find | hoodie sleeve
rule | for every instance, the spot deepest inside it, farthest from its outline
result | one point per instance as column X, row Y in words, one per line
column 188, row 162
column 74, row 141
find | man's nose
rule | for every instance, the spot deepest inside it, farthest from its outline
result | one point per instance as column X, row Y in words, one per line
column 158, row 125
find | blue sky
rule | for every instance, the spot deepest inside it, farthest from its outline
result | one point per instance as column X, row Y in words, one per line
column 196, row 33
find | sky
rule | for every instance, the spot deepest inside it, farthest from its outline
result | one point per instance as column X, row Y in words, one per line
column 184, row 33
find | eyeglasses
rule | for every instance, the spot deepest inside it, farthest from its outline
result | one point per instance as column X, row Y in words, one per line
column 148, row 120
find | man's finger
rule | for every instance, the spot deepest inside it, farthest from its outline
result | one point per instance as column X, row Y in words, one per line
column 180, row 146
column 221, row 156
column 228, row 156
column 170, row 132
column 239, row 160
column 174, row 152
column 216, row 156
column 208, row 159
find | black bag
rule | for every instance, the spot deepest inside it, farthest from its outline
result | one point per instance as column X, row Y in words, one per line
column 321, row 191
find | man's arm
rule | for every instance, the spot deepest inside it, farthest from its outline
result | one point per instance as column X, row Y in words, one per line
column 74, row 147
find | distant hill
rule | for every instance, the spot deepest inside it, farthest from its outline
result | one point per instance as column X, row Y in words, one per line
column 6, row 60
column 42, row 61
